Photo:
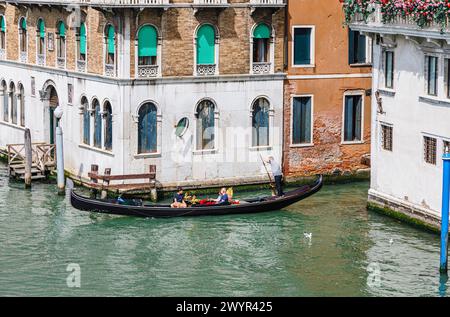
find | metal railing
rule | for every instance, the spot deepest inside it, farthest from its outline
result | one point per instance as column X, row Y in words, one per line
column 262, row 68
column 147, row 71
column 206, row 69
column 81, row 66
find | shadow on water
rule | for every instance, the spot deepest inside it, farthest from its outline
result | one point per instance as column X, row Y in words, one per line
column 327, row 245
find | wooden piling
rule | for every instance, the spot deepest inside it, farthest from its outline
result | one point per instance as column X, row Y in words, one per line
column 28, row 158
column 94, row 180
column 104, row 193
column 153, row 191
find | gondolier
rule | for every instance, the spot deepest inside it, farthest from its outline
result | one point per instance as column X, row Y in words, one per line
column 277, row 175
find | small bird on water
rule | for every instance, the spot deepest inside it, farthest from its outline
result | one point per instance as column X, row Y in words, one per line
column 308, row 235
column 391, row 241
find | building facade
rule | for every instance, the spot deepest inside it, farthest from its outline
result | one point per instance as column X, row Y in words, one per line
column 194, row 87
column 327, row 92
column 410, row 115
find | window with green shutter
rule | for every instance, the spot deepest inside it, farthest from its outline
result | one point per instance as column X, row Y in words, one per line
column 206, row 36
column 147, row 45
column 83, row 39
column 41, row 36
column 23, row 35
column 3, row 32
column 111, row 40
column 110, row 45
column 61, row 29
column 41, row 28
column 302, row 45
column 261, row 36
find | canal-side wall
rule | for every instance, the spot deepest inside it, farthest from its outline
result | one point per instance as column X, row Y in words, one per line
column 399, row 209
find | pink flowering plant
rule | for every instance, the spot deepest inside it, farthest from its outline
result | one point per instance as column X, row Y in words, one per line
column 421, row 12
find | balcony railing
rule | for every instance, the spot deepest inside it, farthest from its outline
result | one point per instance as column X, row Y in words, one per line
column 147, row 71
column 110, row 70
column 217, row 3
column 267, row 3
column 399, row 22
column 206, row 69
column 2, row 53
column 81, row 66
column 262, row 68
column 40, row 59
column 98, row 3
column 61, row 62
column 23, row 57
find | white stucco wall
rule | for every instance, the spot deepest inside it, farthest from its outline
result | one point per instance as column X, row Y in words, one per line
column 175, row 98
column 403, row 175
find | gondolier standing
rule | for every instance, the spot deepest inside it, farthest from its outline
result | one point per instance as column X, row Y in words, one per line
column 277, row 174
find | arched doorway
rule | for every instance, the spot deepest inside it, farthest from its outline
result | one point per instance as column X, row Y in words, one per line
column 51, row 101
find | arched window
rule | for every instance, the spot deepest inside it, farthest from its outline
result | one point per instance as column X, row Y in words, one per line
column 13, row 102
column 107, row 110
column 147, row 45
column 110, row 41
column 5, row 107
column 2, row 33
column 40, row 42
column 260, row 122
column 86, row 121
column 21, row 98
column 61, row 44
column 261, row 42
column 205, row 125
column 147, row 129
column 23, row 35
column 82, row 43
column 206, row 38
column 97, row 124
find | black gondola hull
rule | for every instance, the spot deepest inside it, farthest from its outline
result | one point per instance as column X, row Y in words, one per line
column 164, row 211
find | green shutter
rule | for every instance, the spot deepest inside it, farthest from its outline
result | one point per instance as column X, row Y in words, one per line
column 23, row 24
column 111, row 40
column 61, row 29
column 83, row 39
column 147, row 41
column 41, row 28
column 262, row 31
column 206, row 45
column 302, row 46
column 2, row 24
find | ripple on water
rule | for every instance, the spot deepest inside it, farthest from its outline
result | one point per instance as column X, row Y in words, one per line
column 249, row 255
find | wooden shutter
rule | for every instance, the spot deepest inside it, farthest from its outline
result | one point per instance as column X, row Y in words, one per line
column 302, row 46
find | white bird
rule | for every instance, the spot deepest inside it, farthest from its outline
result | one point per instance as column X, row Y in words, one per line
column 308, row 235
column 391, row 241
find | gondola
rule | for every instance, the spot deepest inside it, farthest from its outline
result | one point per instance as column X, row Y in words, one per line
column 138, row 209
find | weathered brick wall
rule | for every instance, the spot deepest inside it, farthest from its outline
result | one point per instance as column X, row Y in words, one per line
column 176, row 26
column 328, row 154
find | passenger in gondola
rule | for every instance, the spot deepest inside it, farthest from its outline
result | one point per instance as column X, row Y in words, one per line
column 223, row 198
column 178, row 199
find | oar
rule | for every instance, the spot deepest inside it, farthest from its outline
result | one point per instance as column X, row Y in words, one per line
column 272, row 186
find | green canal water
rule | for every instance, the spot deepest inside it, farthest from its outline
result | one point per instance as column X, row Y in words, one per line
column 352, row 252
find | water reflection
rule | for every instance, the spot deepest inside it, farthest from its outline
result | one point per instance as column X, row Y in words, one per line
column 249, row 255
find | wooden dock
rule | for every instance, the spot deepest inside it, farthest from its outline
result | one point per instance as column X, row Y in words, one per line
column 43, row 160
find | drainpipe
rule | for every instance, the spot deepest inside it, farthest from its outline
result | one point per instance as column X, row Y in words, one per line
column 445, row 211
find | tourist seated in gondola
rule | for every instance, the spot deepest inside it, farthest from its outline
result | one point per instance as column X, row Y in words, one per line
column 178, row 199
column 223, row 198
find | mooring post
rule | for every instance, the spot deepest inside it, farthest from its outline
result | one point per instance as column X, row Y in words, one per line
column 28, row 158
column 94, row 180
column 104, row 193
column 60, row 161
column 153, row 191
column 445, row 211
